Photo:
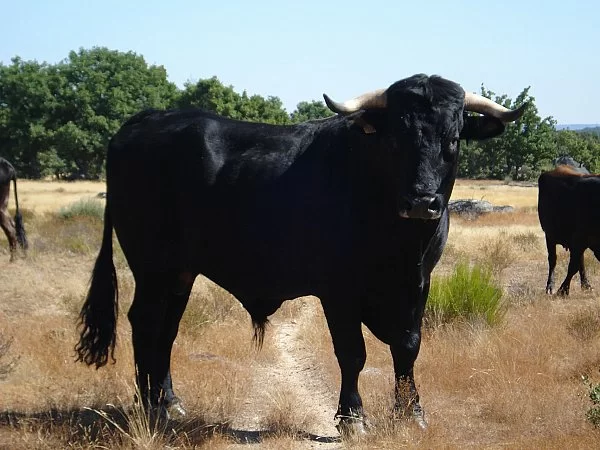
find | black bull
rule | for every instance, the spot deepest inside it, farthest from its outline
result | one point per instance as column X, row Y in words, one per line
column 351, row 209
column 14, row 229
column 569, row 213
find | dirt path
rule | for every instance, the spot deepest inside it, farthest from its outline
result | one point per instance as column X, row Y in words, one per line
column 292, row 390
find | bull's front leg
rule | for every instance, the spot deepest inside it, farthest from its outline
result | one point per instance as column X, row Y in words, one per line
column 349, row 347
column 407, row 403
column 405, row 349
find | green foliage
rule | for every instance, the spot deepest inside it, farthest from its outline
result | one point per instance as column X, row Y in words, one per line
column 583, row 147
column 469, row 294
column 591, row 130
column 26, row 100
column 593, row 414
column 310, row 111
column 519, row 152
column 57, row 119
column 212, row 95
column 86, row 207
column 74, row 230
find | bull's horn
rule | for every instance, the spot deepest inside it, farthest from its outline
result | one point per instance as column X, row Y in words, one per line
column 371, row 100
column 478, row 103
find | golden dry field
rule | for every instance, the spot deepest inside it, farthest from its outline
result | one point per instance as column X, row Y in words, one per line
column 44, row 196
column 514, row 385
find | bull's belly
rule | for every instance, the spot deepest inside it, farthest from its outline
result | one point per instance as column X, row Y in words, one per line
column 392, row 311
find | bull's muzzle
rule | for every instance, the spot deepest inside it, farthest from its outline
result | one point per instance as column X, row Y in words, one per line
column 421, row 207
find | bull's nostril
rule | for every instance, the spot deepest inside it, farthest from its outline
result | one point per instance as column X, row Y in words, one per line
column 435, row 205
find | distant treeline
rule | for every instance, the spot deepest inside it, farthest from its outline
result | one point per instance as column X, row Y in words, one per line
column 591, row 130
column 56, row 119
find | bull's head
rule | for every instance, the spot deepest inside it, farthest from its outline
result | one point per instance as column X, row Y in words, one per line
column 418, row 123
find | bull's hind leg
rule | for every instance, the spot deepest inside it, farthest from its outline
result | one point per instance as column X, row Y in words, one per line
column 576, row 256
column 6, row 222
column 178, row 299
column 8, row 226
column 585, row 283
column 159, row 302
column 551, row 246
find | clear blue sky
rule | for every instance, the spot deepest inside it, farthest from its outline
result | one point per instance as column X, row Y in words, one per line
column 298, row 50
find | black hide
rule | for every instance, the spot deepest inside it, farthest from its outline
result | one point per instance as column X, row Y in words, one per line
column 271, row 213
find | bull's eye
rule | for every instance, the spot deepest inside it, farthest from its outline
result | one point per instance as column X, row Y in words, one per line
column 451, row 150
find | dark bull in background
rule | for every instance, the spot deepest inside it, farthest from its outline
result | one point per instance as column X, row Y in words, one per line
column 351, row 209
column 569, row 213
column 14, row 229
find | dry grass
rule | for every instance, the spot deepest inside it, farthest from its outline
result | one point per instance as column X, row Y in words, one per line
column 518, row 195
column 517, row 385
column 43, row 196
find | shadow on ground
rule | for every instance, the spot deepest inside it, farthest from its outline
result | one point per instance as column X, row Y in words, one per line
column 109, row 426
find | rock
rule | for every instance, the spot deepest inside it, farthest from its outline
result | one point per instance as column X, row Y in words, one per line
column 472, row 209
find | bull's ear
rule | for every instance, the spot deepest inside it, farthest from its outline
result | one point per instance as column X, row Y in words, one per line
column 362, row 122
column 481, row 127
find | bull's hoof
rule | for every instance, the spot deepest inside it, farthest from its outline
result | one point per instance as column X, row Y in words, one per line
column 175, row 410
column 586, row 287
column 414, row 413
column 563, row 292
column 351, row 427
column 549, row 290
column 418, row 416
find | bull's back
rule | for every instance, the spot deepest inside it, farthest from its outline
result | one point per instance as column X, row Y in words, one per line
column 192, row 198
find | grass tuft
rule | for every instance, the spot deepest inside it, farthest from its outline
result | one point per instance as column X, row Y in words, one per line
column 469, row 293
column 79, row 234
column 7, row 365
column 285, row 417
column 206, row 306
column 585, row 325
column 86, row 207
column 526, row 241
column 497, row 254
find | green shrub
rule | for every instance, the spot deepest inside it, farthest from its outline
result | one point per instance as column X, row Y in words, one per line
column 469, row 294
column 78, row 235
column 593, row 414
column 86, row 207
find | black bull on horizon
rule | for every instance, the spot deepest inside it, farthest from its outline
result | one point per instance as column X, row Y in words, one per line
column 351, row 209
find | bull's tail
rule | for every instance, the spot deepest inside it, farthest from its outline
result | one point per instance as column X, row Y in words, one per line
column 98, row 316
column 20, row 228
column 259, row 324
